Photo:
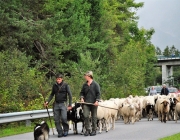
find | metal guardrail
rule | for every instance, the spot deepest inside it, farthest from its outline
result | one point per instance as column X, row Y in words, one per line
column 25, row 115
column 167, row 58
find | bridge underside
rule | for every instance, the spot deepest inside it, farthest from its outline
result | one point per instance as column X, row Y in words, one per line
column 167, row 68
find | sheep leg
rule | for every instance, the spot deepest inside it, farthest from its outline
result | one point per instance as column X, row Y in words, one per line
column 113, row 123
column 170, row 115
column 167, row 117
column 83, row 128
column 106, row 125
column 102, row 121
column 129, row 120
column 152, row 116
column 132, row 120
column 160, row 117
column 100, row 126
column 124, row 120
column 70, row 124
column 164, row 118
column 176, row 115
column 173, row 115
column 75, row 128
column 140, row 115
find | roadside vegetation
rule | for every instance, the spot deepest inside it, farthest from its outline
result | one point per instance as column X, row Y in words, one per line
column 40, row 39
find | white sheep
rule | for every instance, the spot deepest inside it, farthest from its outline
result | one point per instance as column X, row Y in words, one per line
column 113, row 110
column 177, row 110
column 119, row 103
column 128, row 112
column 148, row 101
column 138, row 103
column 103, row 114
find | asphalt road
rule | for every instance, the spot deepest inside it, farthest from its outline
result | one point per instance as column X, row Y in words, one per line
column 142, row 130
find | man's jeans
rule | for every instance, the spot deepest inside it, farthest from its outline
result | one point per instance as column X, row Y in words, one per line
column 60, row 117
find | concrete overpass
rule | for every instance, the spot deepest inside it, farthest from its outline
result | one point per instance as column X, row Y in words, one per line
column 167, row 64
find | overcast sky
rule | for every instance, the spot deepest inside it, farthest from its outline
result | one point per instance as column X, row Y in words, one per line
column 164, row 17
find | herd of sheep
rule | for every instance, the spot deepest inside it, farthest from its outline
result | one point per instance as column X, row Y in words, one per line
column 132, row 109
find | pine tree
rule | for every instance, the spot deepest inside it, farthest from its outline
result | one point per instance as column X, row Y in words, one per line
column 166, row 51
column 158, row 51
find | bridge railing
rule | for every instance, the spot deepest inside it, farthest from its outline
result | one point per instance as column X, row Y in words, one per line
column 167, row 57
column 25, row 115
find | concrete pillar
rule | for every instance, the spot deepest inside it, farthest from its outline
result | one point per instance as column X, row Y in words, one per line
column 167, row 72
column 171, row 70
column 164, row 74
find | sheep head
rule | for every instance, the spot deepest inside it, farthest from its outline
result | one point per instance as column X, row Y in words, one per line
column 165, row 103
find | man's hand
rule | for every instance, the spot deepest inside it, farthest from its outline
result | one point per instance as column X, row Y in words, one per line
column 69, row 108
column 46, row 104
column 96, row 103
column 82, row 100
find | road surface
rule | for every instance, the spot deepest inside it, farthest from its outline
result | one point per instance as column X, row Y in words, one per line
column 142, row 130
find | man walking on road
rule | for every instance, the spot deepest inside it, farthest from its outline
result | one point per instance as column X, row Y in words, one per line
column 164, row 90
column 60, row 89
column 90, row 93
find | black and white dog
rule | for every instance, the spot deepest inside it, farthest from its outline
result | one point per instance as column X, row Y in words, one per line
column 41, row 131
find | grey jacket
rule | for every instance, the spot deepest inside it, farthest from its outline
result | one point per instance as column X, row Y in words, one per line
column 91, row 93
column 152, row 92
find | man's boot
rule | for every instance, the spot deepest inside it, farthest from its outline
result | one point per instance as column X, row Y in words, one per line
column 60, row 134
column 93, row 133
column 65, row 133
column 87, row 133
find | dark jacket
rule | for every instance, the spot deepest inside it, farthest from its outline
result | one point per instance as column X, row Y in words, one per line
column 164, row 91
column 61, row 91
column 91, row 93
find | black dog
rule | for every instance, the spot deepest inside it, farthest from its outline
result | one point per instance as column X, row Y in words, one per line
column 41, row 131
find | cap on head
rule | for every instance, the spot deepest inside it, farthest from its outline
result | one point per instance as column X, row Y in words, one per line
column 89, row 73
column 164, row 85
column 59, row 76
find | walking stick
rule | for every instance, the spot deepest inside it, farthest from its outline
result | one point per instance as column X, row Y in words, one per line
column 98, row 105
column 42, row 93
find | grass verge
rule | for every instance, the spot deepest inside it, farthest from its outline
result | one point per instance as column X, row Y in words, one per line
column 173, row 137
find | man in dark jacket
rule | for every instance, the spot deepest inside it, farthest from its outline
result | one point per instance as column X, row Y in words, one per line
column 90, row 93
column 164, row 90
column 60, row 89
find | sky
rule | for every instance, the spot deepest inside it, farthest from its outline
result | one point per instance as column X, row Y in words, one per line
column 164, row 17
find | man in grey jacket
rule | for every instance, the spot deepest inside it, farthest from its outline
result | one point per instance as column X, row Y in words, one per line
column 90, row 93
column 60, row 89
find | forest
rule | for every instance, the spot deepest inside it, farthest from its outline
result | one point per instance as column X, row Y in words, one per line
column 40, row 38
